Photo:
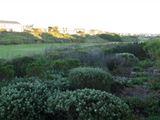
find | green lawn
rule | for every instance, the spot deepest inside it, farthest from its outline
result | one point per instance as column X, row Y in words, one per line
column 12, row 51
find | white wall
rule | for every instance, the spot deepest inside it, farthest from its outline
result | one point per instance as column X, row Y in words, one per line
column 12, row 27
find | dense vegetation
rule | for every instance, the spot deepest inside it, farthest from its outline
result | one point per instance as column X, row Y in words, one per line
column 37, row 36
column 114, row 81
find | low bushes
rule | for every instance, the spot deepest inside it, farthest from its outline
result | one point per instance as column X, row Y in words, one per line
column 35, row 99
column 23, row 101
column 153, row 48
column 145, row 63
column 111, row 37
column 87, row 77
column 58, row 83
column 86, row 104
column 121, row 63
column 20, row 65
column 128, row 59
column 154, row 84
column 66, row 64
column 36, row 68
column 133, row 48
column 61, row 84
column 121, row 59
column 153, row 118
column 144, row 106
column 6, row 70
column 7, row 38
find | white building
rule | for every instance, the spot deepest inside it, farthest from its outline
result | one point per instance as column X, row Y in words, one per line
column 11, row 26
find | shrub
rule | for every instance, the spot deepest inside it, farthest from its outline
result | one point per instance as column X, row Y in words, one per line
column 153, row 48
column 154, row 84
column 128, row 58
column 121, row 59
column 65, row 65
column 145, row 63
column 87, row 104
column 6, row 70
column 94, row 57
column 20, row 65
column 138, row 80
column 146, row 106
column 91, row 39
column 48, row 38
column 17, row 38
column 133, row 48
column 61, row 84
column 23, row 101
column 121, row 63
column 87, row 77
column 36, row 68
column 52, row 75
column 153, row 118
column 111, row 37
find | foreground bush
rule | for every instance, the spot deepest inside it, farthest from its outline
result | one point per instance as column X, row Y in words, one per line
column 23, row 101
column 58, row 83
column 87, row 77
column 61, row 84
column 86, row 104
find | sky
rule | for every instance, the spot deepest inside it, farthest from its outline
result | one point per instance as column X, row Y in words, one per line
column 122, row 16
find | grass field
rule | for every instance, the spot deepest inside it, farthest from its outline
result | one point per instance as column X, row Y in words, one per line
column 12, row 51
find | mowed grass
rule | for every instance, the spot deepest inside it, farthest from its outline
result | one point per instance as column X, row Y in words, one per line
column 14, row 51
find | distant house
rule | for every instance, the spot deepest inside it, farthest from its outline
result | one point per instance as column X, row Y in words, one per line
column 11, row 26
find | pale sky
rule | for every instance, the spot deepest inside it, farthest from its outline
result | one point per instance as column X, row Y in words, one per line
column 123, row 16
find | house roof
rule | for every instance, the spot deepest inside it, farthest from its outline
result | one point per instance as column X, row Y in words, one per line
column 9, row 22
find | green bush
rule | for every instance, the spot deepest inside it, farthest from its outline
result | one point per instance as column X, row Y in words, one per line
column 61, row 84
column 145, row 63
column 58, row 83
column 48, row 38
column 52, row 75
column 133, row 48
column 128, row 58
column 138, row 80
column 91, row 39
column 121, row 63
column 154, row 84
column 23, row 101
column 144, row 106
column 6, row 70
column 36, row 68
column 153, row 118
column 88, row 77
column 65, row 65
column 121, row 60
column 153, row 48
column 7, row 38
column 87, row 104
column 111, row 37
column 20, row 65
